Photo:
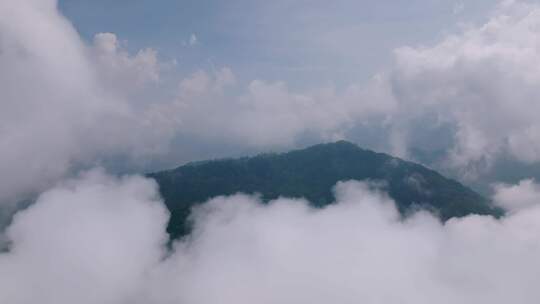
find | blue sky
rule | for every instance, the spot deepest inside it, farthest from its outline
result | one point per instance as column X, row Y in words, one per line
column 302, row 42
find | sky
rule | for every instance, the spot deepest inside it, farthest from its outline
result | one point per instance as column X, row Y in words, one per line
column 93, row 93
column 304, row 43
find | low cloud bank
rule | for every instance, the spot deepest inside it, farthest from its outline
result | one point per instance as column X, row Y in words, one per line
column 101, row 239
column 89, row 240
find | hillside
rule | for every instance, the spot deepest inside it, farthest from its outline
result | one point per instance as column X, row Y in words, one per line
column 311, row 173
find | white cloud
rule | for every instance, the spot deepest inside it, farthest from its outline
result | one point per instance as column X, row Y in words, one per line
column 89, row 240
column 484, row 80
column 65, row 104
column 193, row 40
column 516, row 197
column 121, row 69
column 262, row 114
column 99, row 239
column 356, row 251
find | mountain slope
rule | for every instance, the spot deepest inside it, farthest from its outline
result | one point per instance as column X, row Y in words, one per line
column 311, row 173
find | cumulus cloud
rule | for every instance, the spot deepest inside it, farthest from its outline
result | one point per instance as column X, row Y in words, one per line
column 358, row 250
column 89, row 240
column 520, row 196
column 64, row 103
column 120, row 68
column 263, row 114
column 100, row 239
column 484, row 81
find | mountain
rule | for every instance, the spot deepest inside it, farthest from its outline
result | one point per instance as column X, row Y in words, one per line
column 311, row 173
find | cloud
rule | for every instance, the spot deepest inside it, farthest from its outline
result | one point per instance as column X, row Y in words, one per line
column 66, row 104
column 516, row 197
column 101, row 239
column 117, row 65
column 355, row 251
column 193, row 40
column 89, row 240
column 483, row 81
column 265, row 114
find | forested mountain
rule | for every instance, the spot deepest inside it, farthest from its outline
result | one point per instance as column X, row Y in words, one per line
column 311, row 173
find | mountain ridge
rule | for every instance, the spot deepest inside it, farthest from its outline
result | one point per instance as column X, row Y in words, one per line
column 311, row 173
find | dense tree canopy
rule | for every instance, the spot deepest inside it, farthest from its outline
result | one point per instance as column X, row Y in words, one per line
column 311, row 173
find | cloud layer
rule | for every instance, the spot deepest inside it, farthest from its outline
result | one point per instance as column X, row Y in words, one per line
column 99, row 239
column 89, row 240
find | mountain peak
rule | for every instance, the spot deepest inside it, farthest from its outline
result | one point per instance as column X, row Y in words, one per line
column 311, row 173
column 337, row 145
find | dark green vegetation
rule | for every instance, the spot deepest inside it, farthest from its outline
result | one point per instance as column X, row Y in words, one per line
column 311, row 173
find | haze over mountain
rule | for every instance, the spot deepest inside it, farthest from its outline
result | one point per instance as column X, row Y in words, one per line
column 312, row 173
